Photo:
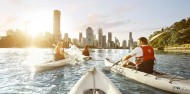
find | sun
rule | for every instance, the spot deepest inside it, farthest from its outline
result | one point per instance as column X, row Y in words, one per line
column 36, row 27
column 42, row 22
column 37, row 24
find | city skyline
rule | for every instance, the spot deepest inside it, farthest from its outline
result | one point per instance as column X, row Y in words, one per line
column 119, row 17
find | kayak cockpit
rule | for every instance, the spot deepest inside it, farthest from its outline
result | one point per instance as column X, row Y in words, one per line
column 94, row 91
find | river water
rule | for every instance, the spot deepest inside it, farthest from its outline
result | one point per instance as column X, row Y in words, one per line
column 16, row 75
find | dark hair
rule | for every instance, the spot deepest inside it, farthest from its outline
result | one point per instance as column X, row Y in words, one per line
column 86, row 46
column 143, row 39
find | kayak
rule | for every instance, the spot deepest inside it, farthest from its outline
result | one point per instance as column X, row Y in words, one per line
column 163, row 81
column 76, row 53
column 86, row 57
column 51, row 64
column 94, row 82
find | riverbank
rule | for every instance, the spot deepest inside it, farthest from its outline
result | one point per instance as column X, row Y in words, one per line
column 178, row 48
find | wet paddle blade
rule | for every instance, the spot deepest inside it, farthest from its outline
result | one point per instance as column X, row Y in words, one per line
column 106, row 68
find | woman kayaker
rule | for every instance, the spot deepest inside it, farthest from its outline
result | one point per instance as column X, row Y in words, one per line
column 144, row 56
column 86, row 51
column 59, row 51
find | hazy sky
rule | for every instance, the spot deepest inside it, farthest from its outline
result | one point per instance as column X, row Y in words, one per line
column 142, row 17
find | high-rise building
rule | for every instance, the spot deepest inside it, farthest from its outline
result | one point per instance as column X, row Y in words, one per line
column 100, row 32
column 112, row 44
column 75, row 41
column 89, row 36
column 124, row 44
column 83, row 42
column 56, row 26
column 130, row 41
column 117, row 43
column 80, row 37
column 66, row 37
column 104, row 41
column 109, row 39
column 66, row 40
column 95, row 41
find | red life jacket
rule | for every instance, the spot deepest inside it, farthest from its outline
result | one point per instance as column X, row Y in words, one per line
column 148, row 54
column 86, row 52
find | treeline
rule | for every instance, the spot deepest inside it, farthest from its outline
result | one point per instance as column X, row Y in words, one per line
column 177, row 34
column 19, row 39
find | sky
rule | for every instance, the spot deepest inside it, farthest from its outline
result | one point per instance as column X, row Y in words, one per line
column 141, row 17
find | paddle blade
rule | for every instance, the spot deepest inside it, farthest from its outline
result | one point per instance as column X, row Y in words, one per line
column 106, row 68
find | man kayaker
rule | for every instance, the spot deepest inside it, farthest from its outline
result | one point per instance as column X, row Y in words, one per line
column 86, row 51
column 144, row 56
column 59, row 51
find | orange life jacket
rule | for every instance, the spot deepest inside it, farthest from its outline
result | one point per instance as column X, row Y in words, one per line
column 57, row 51
column 148, row 54
column 86, row 52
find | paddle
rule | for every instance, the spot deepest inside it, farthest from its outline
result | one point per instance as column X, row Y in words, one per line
column 54, row 45
column 109, row 68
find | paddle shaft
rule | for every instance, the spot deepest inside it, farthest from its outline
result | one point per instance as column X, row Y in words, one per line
column 115, row 63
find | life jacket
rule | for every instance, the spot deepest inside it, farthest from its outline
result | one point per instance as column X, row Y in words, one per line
column 86, row 52
column 57, row 51
column 148, row 54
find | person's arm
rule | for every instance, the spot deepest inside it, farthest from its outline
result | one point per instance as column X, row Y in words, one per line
column 126, row 57
column 131, row 54
column 61, row 51
column 55, row 50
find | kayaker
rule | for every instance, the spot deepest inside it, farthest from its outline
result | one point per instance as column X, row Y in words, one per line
column 86, row 51
column 59, row 51
column 144, row 56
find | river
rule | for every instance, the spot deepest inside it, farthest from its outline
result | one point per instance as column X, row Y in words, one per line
column 16, row 75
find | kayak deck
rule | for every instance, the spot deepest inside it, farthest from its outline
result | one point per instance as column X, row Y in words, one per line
column 164, row 81
column 51, row 64
column 94, row 81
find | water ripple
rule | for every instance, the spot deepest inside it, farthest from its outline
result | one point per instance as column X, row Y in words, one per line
column 17, row 77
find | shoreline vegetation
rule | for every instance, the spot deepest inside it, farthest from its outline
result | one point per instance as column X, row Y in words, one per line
column 178, row 48
column 173, row 38
column 175, row 47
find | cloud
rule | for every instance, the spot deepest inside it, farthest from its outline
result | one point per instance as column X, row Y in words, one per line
column 103, row 21
column 122, row 10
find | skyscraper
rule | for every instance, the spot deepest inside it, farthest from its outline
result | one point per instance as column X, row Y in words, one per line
column 56, row 26
column 124, row 44
column 109, row 39
column 100, row 37
column 104, row 41
column 66, row 37
column 95, row 41
column 117, row 43
column 80, row 38
column 130, row 41
column 66, row 40
column 89, row 36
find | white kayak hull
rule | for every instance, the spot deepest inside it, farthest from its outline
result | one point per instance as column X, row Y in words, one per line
column 51, row 64
column 161, row 81
column 86, row 57
column 94, row 79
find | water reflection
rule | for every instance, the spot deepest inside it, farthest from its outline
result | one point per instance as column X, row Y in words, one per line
column 16, row 76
